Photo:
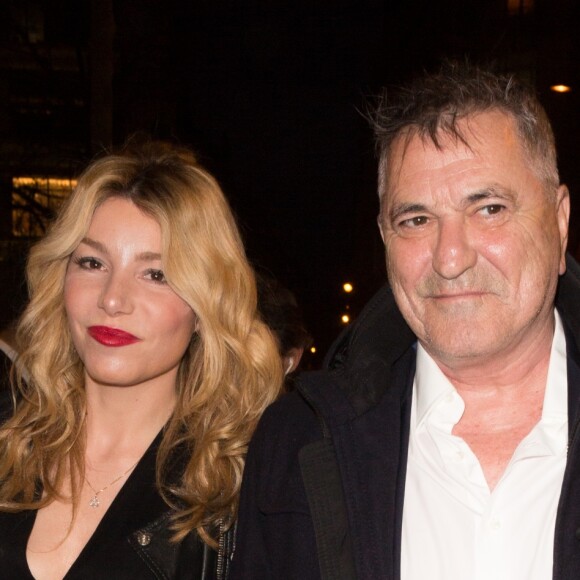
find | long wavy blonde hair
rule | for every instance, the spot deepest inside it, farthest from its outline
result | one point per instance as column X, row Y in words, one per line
column 229, row 374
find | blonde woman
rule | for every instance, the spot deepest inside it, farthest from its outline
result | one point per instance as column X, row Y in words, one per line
column 148, row 368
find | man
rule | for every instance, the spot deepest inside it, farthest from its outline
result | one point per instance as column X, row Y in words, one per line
column 441, row 442
column 280, row 311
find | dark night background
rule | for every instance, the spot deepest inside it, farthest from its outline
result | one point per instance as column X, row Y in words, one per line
column 269, row 94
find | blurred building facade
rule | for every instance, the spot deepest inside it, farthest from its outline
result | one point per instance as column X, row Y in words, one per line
column 269, row 94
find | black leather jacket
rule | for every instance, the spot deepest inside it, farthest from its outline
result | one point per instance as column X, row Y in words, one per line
column 132, row 541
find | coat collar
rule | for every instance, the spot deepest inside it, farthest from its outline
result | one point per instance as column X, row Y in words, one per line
column 362, row 360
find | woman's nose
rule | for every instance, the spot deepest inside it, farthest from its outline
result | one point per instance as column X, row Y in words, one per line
column 115, row 295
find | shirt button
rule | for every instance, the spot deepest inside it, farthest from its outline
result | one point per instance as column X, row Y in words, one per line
column 449, row 398
column 495, row 524
column 459, row 455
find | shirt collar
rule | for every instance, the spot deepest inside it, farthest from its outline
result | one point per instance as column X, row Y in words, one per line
column 556, row 397
column 431, row 385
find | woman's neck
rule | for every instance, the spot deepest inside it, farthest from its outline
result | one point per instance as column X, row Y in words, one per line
column 122, row 421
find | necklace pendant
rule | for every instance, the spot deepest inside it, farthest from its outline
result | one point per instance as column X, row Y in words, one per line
column 95, row 502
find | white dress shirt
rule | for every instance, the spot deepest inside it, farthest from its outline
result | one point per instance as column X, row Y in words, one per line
column 454, row 528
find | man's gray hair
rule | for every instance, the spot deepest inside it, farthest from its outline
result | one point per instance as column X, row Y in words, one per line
column 434, row 103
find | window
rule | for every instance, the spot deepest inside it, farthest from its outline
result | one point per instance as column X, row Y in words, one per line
column 516, row 7
column 35, row 201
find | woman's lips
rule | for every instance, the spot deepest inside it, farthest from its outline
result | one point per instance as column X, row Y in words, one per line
column 111, row 336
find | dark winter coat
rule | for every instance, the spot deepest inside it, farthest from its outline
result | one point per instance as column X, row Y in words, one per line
column 325, row 476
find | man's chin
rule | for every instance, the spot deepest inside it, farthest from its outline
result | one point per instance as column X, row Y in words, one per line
column 461, row 347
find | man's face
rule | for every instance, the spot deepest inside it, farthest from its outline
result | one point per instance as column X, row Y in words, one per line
column 474, row 242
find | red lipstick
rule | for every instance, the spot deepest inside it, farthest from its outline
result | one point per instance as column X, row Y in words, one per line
column 112, row 336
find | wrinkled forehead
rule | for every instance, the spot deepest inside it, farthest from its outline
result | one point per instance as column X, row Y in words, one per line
column 490, row 135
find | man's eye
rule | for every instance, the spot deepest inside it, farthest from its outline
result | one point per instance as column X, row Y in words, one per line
column 492, row 209
column 156, row 275
column 414, row 222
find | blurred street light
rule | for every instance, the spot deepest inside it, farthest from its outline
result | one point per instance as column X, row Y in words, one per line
column 561, row 88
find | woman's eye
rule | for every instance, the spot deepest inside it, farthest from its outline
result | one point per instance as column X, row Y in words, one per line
column 88, row 263
column 156, row 275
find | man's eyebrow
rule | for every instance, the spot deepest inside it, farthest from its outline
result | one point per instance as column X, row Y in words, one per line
column 493, row 191
column 142, row 257
column 405, row 208
column 488, row 193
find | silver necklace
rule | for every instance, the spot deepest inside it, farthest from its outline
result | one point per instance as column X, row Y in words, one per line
column 95, row 502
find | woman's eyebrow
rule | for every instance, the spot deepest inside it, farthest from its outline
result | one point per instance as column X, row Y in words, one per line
column 142, row 257
column 95, row 245
column 148, row 256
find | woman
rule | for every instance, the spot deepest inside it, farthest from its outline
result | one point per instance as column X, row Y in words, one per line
column 148, row 368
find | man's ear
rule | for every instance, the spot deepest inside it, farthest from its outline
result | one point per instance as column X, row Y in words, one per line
column 380, row 223
column 563, row 218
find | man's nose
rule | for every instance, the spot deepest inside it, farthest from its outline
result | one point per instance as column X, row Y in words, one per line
column 453, row 253
column 115, row 296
